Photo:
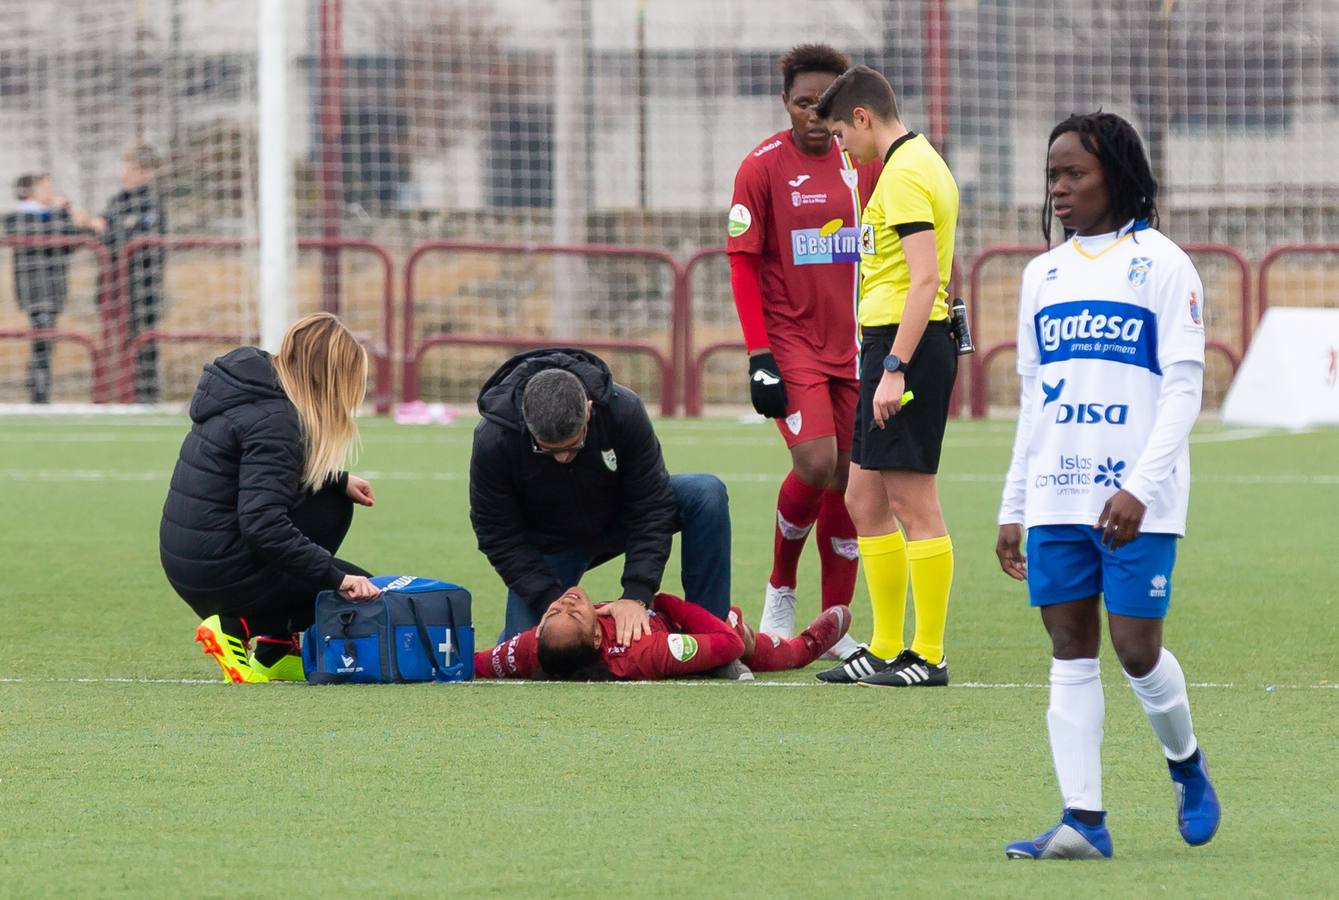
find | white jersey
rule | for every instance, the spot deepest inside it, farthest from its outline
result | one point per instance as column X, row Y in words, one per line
column 1097, row 328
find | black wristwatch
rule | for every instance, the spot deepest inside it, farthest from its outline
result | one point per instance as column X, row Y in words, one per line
column 893, row 363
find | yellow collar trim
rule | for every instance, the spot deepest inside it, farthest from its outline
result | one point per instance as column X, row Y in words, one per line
column 1114, row 244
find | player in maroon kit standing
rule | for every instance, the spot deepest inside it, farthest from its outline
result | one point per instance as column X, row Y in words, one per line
column 794, row 248
column 576, row 640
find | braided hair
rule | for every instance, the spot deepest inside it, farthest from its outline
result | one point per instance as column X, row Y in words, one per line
column 1130, row 182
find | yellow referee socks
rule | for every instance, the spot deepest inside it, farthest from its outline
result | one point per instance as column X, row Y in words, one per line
column 931, row 564
column 884, row 559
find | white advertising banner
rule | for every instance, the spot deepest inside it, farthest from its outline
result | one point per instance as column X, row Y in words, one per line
column 1290, row 376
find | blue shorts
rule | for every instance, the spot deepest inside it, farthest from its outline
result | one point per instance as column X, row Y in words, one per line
column 1068, row 562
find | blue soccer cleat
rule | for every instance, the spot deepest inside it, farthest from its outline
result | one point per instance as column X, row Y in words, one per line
column 1071, row 839
column 1197, row 810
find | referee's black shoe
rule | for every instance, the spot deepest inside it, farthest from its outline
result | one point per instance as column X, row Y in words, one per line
column 858, row 665
column 909, row 669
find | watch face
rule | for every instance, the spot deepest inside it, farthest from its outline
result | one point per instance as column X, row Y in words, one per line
column 892, row 363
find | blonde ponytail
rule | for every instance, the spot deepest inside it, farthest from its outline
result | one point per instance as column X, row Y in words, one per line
column 323, row 370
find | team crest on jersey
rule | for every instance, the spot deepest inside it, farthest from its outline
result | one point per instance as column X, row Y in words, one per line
column 1195, row 315
column 610, row 459
column 1140, row 266
column 795, row 421
column 851, row 177
column 867, row 240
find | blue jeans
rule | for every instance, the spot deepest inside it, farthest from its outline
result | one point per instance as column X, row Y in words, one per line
column 701, row 517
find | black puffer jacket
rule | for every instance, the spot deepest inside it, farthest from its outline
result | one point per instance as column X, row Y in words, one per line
column 524, row 504
column 227, row 538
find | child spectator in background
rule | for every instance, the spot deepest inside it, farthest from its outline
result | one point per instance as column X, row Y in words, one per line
column 42, row 274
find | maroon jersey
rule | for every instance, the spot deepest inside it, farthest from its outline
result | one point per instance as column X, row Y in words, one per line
column 685, row 639
column 516, row 658
column 801, row 215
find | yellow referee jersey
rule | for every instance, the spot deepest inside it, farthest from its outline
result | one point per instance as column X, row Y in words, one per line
column 915, row 192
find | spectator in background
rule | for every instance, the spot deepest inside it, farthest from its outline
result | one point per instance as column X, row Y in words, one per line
column 134, row 212
column 42, row 274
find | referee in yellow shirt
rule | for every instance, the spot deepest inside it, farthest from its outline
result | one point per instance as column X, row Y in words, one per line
column 908, row 361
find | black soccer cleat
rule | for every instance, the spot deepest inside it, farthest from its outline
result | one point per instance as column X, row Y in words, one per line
column 909, row 670
column 858, row 665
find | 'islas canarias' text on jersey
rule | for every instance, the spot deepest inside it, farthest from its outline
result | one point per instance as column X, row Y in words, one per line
column 1098, row 322
column 801, row 215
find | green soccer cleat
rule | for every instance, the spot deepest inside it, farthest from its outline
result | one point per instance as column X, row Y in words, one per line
column 287, row 668
column 285, row 655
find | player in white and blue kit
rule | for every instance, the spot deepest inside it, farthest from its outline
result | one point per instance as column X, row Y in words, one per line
column 1111, row 366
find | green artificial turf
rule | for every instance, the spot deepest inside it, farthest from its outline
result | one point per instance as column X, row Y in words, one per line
column 125, row 769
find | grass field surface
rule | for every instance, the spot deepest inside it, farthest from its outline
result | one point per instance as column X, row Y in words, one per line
column 128, row 768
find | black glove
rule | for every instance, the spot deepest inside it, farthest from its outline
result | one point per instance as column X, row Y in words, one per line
column 766, row 389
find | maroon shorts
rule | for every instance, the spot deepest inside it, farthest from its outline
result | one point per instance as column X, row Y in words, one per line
column 818, row 405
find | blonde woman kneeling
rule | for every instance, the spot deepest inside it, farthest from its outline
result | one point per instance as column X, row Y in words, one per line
column 259, row 502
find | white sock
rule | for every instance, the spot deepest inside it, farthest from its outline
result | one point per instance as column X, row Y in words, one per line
column 1162, row 693
column 1075, row 722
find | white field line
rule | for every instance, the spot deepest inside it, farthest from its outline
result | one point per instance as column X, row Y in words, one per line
column 80, row 475
column 703, row 682
column 1243, row 434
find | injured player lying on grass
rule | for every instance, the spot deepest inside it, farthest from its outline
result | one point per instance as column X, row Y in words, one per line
column 575, row 641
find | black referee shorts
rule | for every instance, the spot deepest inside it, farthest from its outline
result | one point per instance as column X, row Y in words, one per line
column 913, row 438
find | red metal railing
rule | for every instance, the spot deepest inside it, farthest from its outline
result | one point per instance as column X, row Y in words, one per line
column 380, row 352
column 980, row 364
column 106, row 300
column 694, row 367
column 97, row 371
column 986, row 355
column 414, row 348
column 1270, row 258
column 111, row 356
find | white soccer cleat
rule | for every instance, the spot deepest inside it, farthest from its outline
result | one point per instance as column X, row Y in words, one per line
column 842, row 649
column 778, row 612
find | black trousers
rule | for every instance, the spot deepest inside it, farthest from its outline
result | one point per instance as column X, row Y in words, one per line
column 145, row 302
column 39, row 363
column 324, row 517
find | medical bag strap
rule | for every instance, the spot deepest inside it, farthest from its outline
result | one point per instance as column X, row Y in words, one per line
column 427, row 641
column 345, row 619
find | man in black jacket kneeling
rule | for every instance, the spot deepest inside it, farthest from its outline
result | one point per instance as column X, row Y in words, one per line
column 567, row 473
